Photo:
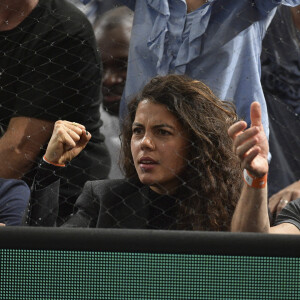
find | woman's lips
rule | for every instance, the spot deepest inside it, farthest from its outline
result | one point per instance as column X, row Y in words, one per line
column 147, row 163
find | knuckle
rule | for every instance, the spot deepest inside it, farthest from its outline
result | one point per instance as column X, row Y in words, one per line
column 60, row 130
column 59, row 122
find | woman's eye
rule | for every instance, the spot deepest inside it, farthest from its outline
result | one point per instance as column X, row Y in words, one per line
column 137, row 130
column 164, row 132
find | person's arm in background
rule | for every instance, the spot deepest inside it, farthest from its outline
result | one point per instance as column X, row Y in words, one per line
column 279, row 200
column 21, row 144
column 296, row 16
column 251, row 146
column 14, row 197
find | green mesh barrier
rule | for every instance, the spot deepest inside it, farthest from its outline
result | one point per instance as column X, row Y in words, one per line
column 47, row 274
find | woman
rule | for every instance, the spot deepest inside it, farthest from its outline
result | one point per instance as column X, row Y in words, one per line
column 180, row 169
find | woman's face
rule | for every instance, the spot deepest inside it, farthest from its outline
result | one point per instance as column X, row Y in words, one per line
column 158, row 146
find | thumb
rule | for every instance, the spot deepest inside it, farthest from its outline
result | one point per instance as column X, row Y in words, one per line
column 255, row 114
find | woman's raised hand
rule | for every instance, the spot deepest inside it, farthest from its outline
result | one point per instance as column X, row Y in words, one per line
column 251, row 145
column 67, row 141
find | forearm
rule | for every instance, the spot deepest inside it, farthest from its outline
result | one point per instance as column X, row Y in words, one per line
column 251, row 214
column 251, row 146
column 21, row 144
column 296, row 16
column 15, row 161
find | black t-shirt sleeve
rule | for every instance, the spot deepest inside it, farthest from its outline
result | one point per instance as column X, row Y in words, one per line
column 290, row 214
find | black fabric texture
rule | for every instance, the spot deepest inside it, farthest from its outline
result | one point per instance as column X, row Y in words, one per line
column 290, row 214
column 119, row 203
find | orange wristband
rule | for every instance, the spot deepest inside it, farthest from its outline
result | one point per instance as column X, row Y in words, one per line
column 255, row 182
column 51, row 163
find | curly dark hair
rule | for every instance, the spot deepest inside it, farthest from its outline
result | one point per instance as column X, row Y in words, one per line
column 212, row 180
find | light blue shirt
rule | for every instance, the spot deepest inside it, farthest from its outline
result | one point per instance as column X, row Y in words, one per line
column 219, row 44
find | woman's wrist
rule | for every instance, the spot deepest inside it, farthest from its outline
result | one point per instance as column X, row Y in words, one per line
column 46, row 174
column 255, row 182
column 52, row 163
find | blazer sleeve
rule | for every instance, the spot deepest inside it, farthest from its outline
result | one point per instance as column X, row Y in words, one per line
column 44, row 204
column 96, row 195
column 87, row 205
column 44, row 207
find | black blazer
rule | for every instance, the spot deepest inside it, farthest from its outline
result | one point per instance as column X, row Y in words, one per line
column 117, row 203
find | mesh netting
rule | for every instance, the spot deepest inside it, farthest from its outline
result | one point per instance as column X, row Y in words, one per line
column 51, row 69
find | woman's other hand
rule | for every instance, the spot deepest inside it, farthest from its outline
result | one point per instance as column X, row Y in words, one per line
column 67, row 141
column 251, row 145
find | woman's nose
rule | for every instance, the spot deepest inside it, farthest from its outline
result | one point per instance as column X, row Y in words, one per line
column 147, row 143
